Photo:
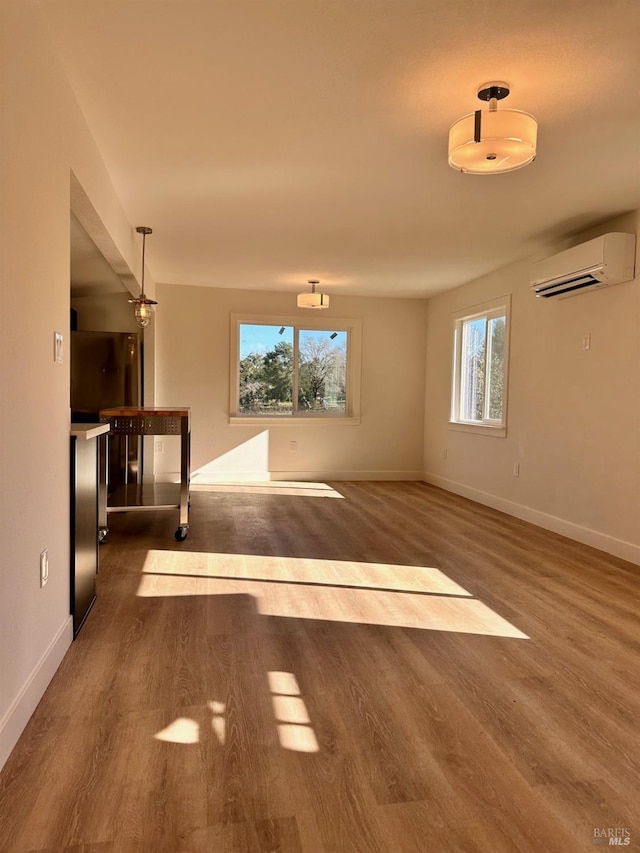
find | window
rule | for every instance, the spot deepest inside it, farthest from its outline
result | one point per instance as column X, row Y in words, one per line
column 285, row 368
column 480, row 360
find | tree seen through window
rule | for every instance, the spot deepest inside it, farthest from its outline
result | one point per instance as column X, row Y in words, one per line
column 281, row 364
column 482, row 369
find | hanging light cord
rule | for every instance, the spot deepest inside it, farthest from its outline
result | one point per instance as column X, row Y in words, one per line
column 142, row 229
column 144, row 240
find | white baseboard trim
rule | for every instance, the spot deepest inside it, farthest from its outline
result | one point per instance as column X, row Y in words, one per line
column 16, row 718
column 602, row 541
column 314, row 476
column 300, row 476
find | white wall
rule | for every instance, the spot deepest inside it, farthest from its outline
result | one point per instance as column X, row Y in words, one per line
column 573, row 415
column 43, row 137
column 192, row 369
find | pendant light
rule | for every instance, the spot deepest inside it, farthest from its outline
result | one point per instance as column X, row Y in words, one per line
column 143, row 307
column 488, row 142
column 313, row 299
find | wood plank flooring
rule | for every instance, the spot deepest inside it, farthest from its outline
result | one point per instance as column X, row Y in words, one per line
column 371, row 667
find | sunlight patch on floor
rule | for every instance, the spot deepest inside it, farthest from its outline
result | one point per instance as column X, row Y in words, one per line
column 218, row 721
column 290, row 713
column 294, row 724
column 301, row 570
column 290, row 709
column 283, row 683
column 297, row 738
column 273, row 487
column 182, row 730
column 358, row 593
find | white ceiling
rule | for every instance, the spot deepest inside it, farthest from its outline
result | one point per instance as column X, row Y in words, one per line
column 275, row 141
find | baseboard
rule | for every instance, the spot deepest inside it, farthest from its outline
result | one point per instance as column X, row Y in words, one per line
column 15, row 720
column 602, row 541
column 315, row 476
column 299, row 476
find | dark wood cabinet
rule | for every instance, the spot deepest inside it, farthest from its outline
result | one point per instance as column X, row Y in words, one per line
column 84, row 520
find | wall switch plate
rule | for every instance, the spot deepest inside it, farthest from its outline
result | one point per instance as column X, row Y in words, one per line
column 586, row 341
column 44, row 567
column 159, row 446
column 516, row 469
column 57, row 347
column 293, row 445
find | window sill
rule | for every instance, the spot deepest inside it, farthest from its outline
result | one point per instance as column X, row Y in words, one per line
column 479, row 429
column 289, row 420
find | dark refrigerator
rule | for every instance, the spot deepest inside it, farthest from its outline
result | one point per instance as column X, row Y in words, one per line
column 106, row 371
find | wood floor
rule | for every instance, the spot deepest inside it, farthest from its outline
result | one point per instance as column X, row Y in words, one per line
column 365, row 667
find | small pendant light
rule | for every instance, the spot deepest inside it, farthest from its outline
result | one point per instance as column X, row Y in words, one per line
column 143, row 307
column 488, row 142
column 313, row 299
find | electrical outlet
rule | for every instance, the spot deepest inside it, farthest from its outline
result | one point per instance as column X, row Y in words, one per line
column 159, row 446
column 44, row 567
column 516, row 469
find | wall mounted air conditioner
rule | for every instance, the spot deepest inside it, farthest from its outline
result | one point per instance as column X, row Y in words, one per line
column 606, row 260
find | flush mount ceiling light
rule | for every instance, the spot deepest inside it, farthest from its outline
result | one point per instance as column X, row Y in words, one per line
column 313, row 299
column 143, row 307
column 491, row 141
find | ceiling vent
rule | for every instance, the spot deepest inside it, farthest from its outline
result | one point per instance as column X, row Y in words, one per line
column 606, row 260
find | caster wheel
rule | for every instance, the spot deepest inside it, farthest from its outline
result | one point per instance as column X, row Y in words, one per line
column 102, row 536
column 181, row 533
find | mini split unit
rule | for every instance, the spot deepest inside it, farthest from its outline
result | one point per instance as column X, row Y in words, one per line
column 606, row 260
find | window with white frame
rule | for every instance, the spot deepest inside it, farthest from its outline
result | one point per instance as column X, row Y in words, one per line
column 480, row 363
column 286, row 368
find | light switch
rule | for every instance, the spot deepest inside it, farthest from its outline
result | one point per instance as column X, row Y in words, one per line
column 57, row 347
